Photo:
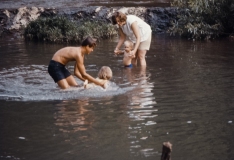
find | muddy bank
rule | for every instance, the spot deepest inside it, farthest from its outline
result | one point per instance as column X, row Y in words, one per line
column 13, row 21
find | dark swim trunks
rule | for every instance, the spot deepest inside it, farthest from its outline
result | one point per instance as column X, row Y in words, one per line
column 58, row 71
column 128, row 66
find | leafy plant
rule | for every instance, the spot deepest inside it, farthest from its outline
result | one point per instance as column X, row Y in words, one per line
column 203, row 19
column 61, row 29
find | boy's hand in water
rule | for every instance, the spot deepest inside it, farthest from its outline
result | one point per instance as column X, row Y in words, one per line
column 86, row 83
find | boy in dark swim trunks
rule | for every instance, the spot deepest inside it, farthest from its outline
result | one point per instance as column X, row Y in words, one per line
column 61, row 75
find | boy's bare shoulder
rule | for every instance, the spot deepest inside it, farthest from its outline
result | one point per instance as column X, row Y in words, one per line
column 68, row 53
column 71, row 49
column 64, row 50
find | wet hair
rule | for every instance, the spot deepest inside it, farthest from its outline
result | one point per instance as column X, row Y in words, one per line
column 105, row 73
column 122, row 17
column 127, row 42
column 91, row 42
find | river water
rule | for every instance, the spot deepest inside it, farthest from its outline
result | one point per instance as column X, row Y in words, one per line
column 8, row 4
column 185, row 96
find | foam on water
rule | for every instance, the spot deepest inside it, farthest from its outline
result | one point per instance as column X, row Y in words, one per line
column 33, row 82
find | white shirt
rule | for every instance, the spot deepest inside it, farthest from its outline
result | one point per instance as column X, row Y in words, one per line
column 144, row 28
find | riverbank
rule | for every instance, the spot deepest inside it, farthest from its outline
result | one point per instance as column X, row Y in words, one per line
column 13, row 21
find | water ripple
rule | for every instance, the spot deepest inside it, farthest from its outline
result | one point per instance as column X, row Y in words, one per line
column 32, row 82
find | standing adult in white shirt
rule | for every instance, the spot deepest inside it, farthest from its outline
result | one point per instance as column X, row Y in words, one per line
column 137, row 31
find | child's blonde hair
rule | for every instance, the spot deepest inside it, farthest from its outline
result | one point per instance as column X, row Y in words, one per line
column 127, row 42
column 105, row 73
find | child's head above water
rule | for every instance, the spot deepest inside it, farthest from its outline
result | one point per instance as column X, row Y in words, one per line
column 105, row 73
column 128, row 45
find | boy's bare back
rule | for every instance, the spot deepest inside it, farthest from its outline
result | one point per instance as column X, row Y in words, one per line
column 67, row 54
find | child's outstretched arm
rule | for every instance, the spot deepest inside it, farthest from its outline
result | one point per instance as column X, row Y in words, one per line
column 119, row 52
column 87, row 85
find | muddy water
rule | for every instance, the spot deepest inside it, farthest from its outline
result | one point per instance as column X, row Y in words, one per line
column 185, row 96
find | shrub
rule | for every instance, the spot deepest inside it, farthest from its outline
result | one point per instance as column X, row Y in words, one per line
column 96, row 28
column 203, row 19
column 61, row 29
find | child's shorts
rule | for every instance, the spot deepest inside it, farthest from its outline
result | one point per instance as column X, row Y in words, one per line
column 128, row 66
column 58, row 71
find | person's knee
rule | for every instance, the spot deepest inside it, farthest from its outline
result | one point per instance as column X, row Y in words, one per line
column 141, row 54
column 63, row 84
column 141, row 57
column 71, row 81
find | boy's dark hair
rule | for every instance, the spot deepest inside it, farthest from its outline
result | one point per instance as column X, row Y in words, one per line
column 122, row 17
column 89, row 42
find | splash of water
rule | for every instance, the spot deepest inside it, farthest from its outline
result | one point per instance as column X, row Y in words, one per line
column 25, row 83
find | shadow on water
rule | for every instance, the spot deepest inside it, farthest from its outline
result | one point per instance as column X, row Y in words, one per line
column 185, row 96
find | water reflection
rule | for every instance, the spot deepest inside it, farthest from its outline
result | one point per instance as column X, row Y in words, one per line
column 73, row 118
column 141, row 111
column 27, row 83
column 98, row 121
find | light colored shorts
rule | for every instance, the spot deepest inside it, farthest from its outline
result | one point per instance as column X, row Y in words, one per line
column 145, row 45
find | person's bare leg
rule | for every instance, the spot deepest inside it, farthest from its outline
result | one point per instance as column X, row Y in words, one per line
column 71, row 81
column 141, row 56
column 63, row 84
column 134, row 60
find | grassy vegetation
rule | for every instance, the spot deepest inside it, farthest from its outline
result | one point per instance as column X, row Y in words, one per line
column 61, row 29
column 204, row 19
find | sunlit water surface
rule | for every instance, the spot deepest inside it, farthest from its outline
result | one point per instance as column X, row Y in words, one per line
column 185, row 96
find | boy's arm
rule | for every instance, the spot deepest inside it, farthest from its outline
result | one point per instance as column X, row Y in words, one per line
column 77, row 73
column 81, row 70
